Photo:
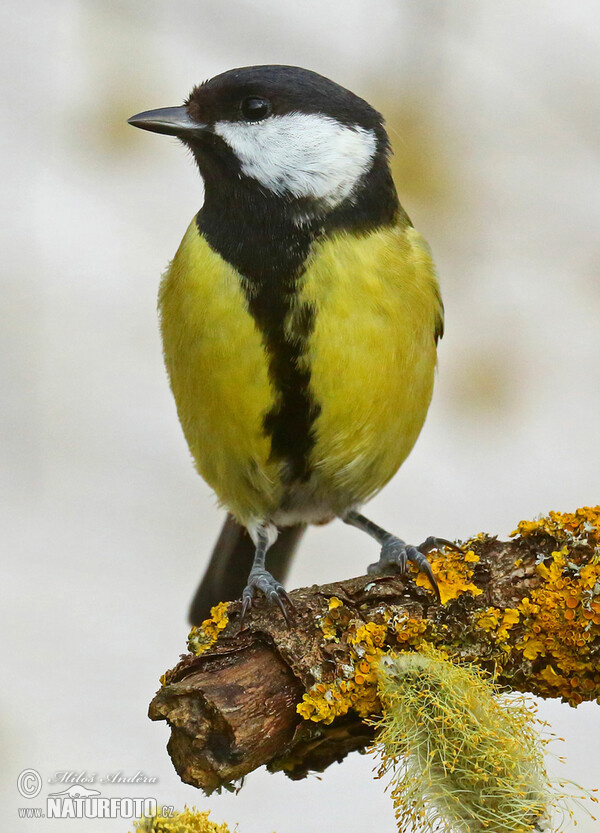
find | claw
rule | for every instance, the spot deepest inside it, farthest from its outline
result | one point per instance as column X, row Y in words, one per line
column 283, row 600
column 417, row 557
column 246, row 605
column 434, row 543
column 274, row 593
column 286, row 598
column 276, row 597
column 280, row 599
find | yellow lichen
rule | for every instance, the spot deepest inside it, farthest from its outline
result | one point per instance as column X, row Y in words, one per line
column 552, row 637
column 330, row 622
column 202, row 637
column 355, row 687
column 453, row 574
column 498, row 623
column 188, row 821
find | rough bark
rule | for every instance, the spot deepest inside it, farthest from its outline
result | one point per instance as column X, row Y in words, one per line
column 233, row 708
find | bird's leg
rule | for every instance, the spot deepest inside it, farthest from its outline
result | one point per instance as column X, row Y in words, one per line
column 397, row 553
column 260, row 578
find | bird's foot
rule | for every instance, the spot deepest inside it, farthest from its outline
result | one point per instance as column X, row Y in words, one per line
column 273, row 591
column 397, row 553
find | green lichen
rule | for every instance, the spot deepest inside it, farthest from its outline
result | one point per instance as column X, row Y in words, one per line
column 464, row 757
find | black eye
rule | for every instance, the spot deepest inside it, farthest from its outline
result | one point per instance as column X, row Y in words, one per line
column 255, row 109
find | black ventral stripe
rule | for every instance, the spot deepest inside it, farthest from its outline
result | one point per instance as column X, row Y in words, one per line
column 290, row 422
column 270, row 251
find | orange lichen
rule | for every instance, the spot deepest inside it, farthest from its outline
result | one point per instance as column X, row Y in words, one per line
column 552, row 637
column 583, row 525
column 357, row 689
column 410, row 631
column 202, row 637
column 549, row 639
column 561, row 624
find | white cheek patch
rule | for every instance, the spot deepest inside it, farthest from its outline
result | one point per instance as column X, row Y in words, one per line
column 302, row 154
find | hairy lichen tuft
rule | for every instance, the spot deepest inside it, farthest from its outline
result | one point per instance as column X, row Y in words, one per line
column 463, row 756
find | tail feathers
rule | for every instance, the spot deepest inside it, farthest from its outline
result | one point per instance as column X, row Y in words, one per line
column 230, row 563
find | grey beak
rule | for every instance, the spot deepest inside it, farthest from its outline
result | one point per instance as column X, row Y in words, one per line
column 172, row 121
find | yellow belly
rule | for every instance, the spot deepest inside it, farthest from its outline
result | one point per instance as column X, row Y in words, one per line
column 218, row 370
column 371, row 357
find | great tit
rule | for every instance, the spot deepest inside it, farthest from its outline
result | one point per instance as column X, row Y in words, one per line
column 300, row 319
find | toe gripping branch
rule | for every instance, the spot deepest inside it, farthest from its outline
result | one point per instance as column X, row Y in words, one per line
column 397, row 553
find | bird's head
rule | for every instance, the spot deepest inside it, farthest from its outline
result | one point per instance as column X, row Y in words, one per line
column 284, row 131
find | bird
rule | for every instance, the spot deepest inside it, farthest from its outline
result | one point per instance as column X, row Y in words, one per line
column 300, row 319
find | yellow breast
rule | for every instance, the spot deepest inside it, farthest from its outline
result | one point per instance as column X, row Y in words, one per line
column 218, row 370
column 371, row 356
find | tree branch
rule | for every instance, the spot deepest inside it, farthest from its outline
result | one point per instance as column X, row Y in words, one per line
column 300, row 698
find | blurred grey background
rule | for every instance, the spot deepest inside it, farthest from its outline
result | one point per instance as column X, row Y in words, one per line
column 493, row 113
